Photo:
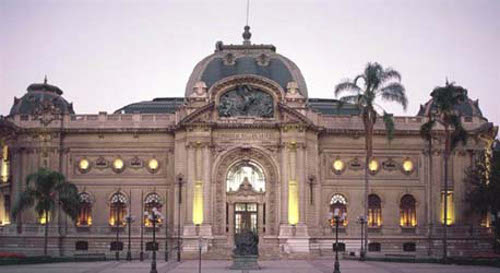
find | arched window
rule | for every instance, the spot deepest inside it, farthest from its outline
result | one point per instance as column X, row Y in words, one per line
column 152, row 200
column 374, row 211
column 118, row 209
column 85, row 214
column 248, row 171
column 408, row 212
column 338, row 201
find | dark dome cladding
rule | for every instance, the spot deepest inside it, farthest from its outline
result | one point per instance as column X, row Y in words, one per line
column 39, row 93
column 468, row 108
column 276, row 70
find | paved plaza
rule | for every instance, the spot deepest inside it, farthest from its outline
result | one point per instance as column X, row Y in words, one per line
column 285, row 266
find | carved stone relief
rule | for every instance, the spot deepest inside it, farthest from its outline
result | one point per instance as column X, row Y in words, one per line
column 246, row 100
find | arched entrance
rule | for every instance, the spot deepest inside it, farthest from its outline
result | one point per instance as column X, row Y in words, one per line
column 245, row 192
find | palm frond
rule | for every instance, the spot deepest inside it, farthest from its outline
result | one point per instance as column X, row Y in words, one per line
column 459, row 134
column 390, row 74
column 395, row 92
column 389, row 125
column 426, row 129
column 23, row 201
column 346, row 87
column 69, row 199
column 352, row 99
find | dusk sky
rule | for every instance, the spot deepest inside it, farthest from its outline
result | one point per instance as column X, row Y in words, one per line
column 107, row 54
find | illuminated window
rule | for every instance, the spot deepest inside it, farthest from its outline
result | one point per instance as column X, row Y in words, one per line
column 407, row 166
column 4, row 209
column 84, row 217
column 374, row 211
column 450, row 219
column 118, row 165
column 249, row 170
column 42, row 219
column 338, row 166
column 408, row 212
column 118, row 209
column 373, row 166
column 153, row 165
column 152, row 200
column 338, row 201
column 485, row 219
column 5, row 165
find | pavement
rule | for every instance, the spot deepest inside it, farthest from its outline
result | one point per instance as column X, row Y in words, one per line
column 213, row 266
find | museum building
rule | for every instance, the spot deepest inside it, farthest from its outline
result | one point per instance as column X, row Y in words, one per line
column 245, row 148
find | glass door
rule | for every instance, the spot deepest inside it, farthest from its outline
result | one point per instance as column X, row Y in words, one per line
column 245, row 217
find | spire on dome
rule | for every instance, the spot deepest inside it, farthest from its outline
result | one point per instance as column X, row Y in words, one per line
column 247, row 35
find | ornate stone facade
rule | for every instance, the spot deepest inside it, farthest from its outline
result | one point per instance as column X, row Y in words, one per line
column 244, row 103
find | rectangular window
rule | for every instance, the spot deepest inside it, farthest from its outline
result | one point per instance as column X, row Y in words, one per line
column 485, row 219
column 450, row 219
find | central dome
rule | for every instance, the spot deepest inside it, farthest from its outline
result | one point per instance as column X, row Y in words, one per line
column 246, row 59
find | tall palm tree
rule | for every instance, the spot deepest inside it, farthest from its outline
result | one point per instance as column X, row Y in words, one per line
column 445, row 100
column 44, row 190
column 375, row 82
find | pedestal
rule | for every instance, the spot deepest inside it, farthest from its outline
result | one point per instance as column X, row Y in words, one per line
column 246, row 262
column 297, row 238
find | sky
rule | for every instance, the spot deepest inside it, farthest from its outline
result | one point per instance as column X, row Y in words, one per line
column 109, row 53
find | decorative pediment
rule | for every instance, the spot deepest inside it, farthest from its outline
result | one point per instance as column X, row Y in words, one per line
column 200, row 115
column 290, row 115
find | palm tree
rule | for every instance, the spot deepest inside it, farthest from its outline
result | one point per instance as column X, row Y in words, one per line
column 377, row 82
column 45, row 189
column 445, row 99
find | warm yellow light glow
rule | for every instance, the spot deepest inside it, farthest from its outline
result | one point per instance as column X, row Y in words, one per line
column 410, row 218
column 153, row 164
column 42, row 220
column 4, row 214
column 4, row 172
column 407, row 165
column 338, row 165
column 198, row 203
column 450, row 219
column 118, row 164
column 84, row 164
column 293, row 202
column 373, row 166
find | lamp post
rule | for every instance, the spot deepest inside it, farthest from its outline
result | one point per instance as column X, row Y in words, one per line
column 362, row 252
column 154, row 216
column 179, row 202
column 117, row 223
column 199, row 247
column 141, row 254
column 336, row 217
column 129, row 218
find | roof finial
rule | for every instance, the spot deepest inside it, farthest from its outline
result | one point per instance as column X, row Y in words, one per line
column 45, row 80
column 246, row 34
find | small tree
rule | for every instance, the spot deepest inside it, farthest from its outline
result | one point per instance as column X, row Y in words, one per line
column 45, row 189
column 483, row 180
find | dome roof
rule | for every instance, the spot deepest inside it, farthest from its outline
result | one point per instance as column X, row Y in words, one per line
column 39, row 94
column 467, row 108
column 260, row 60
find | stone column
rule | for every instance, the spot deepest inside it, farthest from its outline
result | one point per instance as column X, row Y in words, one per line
column 293, row 187
column 198, row 186
column 207, row 189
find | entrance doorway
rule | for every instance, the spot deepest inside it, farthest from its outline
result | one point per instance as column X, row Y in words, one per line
column 245, row 217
